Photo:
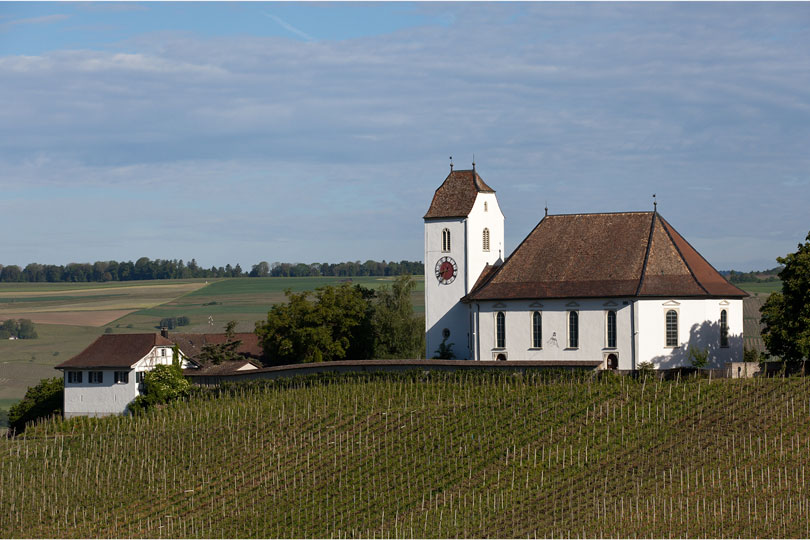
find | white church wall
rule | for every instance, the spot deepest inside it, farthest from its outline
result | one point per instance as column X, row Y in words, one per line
column 698, row 326
column 592, row 315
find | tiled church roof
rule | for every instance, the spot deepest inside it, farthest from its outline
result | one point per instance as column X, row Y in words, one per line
column 456, row 196
column 632, row 254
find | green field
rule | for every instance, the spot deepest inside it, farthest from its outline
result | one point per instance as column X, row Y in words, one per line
column 755, row 287
column 134, row 306
column 434, row 456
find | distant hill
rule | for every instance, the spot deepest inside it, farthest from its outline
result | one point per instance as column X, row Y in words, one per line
column 427, row 456
column 763, row 276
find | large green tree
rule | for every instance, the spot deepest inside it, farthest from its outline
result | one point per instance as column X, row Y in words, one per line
column 398, row 333
column 786, row 315
column 40, row 401
column 313, row 327
column 345, row 322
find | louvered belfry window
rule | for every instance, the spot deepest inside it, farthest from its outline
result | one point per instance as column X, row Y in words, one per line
column 445, row 240
column 672, row 328
column 724, row 328
column 486, row 239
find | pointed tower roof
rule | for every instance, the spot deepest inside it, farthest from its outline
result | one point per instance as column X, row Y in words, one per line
column 456, row 196
column 630, row 254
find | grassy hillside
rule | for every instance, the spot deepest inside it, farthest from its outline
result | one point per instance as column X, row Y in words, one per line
column 427, row 456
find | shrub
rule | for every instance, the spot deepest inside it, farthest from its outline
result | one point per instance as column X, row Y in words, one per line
column 700, row 357
column 163, row 384
column 646, row 368
column 40, row 401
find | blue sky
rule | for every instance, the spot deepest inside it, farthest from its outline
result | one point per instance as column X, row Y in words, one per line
column 241, row 132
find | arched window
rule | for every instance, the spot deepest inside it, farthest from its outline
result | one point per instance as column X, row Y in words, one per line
column 723, row 328
column 445, row 240
column 672, row 328
column 537, row 330
column 611, row 329
column 573, row 330
column 500, row 330
column 486, row 239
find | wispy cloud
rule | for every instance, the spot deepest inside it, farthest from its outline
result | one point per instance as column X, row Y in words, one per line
column 287, row 26
column 45, row 19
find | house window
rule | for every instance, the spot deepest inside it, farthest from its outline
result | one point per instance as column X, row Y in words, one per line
column 162, row 352
column 500, row 330
column 95, row 377
column 121, row 377
column 573, row 330
column 723, row 328
column 611, row 329
column 74, row 377
column 445, row 240
column 486, row 239
column 537, row 330
column 139, row 376
column 672, row 328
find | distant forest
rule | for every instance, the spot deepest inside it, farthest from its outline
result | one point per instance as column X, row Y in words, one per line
column 144, row 268
column 758, row 277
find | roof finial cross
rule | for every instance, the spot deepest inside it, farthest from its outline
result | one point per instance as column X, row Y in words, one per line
column 655, row 204
column 546, row 208
column 451, row 163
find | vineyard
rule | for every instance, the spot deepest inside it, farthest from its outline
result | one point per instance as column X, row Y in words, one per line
column 427, row 455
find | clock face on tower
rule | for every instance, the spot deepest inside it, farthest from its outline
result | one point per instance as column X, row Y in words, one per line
column 446, row 270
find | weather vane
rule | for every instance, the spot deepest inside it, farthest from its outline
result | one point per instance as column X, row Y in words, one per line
column 451, row 163
column 655, row 204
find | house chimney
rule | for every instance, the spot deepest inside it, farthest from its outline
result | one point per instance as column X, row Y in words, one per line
column 164, row 331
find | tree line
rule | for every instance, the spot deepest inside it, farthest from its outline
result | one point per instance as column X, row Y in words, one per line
column 145, row 268
column 765, row 276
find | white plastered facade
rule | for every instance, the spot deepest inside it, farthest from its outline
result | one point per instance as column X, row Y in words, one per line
column 443, row 307
column 698, row 322
column 108, row 397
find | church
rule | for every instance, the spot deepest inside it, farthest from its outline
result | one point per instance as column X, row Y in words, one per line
column 622, row 288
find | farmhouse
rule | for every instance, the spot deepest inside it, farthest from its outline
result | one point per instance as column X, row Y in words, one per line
column 108, row 375
column 622, row 288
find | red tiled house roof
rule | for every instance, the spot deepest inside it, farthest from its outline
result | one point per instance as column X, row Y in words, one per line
column 456, row 196
column 192, row 344
column 115, row 350
column 630, row 254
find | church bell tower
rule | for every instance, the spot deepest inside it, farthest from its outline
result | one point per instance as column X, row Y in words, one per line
column 464, row 230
